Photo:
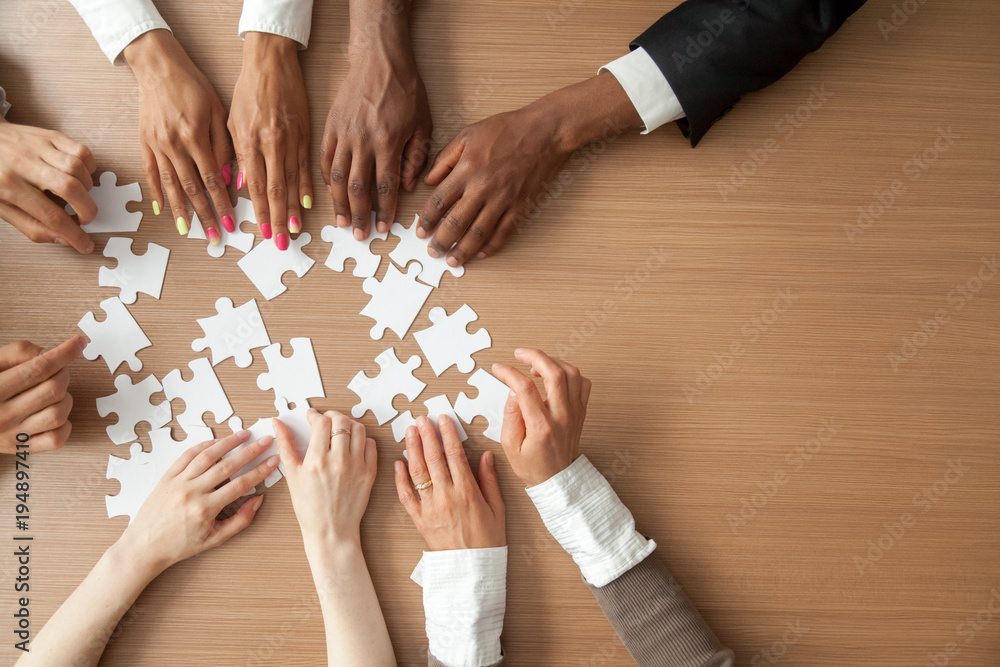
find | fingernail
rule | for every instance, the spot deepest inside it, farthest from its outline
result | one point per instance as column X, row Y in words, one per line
column 90, row 247
column 282, row 241
column 59, row 241
column 359, row 235
column 342, row 221
column 156, row 207
column 432, row 251
column 265, row 229
column 227, row 222
column 182, row 226
column 421, row 232
column 213, row 236
column 243, row 434
column 512, row 394
column 453, row 262
column 239, row 181
column 307, row 202
column 256, row 502
column 294, row 225
column 227, row 174
column 264, row 441
column 382, row 226
column 272, row 461
column 481, row 255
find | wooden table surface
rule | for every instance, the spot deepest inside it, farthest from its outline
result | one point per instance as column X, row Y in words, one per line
column 802, row 411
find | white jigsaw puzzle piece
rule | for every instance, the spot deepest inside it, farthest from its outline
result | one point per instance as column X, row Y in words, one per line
column 377, row 393
column 447, row 342
column 436, row 406
column 232, row 332
column 345, row 246
column 141, row 472
column 294, row 379
column 239, row 239
column 134, row 273
column 413, row 249
column 262, row 427
column 265, row 264
column 132, row 405
column 395, row 302
column 111, row 199
column 203, row 393
column 489, row 403
column 118, row 338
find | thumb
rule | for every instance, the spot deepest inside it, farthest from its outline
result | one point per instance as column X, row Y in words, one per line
column 489, row 483
column 512, row 432
column 290, row 458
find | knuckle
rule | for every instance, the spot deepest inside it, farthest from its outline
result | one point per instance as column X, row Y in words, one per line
column 337, row 176
column 167, row 179
column 257, row 188
column 276, row 190
column 359, row 219
column 386, row 186
column 36, row 235
column 191, row 187
column 478, row 233
column 25, row 348
column 453, row 224
column 437, row 201
column 212, row 181
column 356, row 188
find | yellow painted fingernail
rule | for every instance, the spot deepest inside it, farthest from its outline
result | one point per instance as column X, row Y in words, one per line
column 307, row 201
column 156, row 207
column 182, row 226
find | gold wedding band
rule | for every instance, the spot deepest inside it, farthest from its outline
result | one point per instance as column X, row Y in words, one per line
column 424, row 485
column 340, row 431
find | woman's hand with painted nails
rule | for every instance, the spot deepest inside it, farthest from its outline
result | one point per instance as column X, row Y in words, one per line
column 34, row 161
column 378, row 130
column 542, row 436
column 34, row 399
column 331, row 484
column 454, row 511
column 180, row 518
column 269, row 122
column 182, row 129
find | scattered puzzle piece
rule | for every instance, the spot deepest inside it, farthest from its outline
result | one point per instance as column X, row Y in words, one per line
column 139, row 474
column 395, row 301
column 437, row 406
column 294, row 379
column 394, row 378
column 201, row 394
column 237, row 238
column 413, row 249
column 111, row 199
column 134, row 273
column 265, row 264
column 132, row 405
column 233, row 332
column 366, row 262
column 447, row 342
column 490, row 402
column 296, row 421
column 118, row 338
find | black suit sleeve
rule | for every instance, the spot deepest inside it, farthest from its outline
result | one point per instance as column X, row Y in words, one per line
column 713, row 51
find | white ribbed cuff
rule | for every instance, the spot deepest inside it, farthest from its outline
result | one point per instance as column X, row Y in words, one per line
column 647, row 88
column 465, row 596
column 585, row 515
column 288, row 18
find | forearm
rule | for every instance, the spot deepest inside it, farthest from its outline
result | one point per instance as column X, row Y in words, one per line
column 380, row 26
column 355, row 628
column 79, row 630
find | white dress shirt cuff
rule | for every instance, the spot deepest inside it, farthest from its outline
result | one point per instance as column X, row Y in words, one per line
column 288, row 18
column 589, row 521
column 115, row 24
column 648, row 89
column 465, row 596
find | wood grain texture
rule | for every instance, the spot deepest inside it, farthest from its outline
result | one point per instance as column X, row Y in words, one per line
column 690, row 434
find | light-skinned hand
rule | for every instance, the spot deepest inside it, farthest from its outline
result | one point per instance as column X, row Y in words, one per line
column 456, row 511
column 541, row 437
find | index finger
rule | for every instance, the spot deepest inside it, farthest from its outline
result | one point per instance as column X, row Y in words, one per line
column 458, row 463
column 41, row 368
column 554, row 377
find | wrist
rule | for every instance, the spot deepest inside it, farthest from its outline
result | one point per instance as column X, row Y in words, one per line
column 259, row 47
column 133, row 565
column 151, row 52
column 381, row 33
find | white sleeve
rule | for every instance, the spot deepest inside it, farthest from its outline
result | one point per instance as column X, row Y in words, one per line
column 647, row 88
column 465, row 596
column 585, row 515
column 288, row 18
column 115, row 23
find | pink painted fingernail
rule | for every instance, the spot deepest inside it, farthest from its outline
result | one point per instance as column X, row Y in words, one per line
column 265, row 229
column 239, row 181
column 294, row 225
column 227, row 222
column 227, row 174
column 213, row 235
column 282, row 241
